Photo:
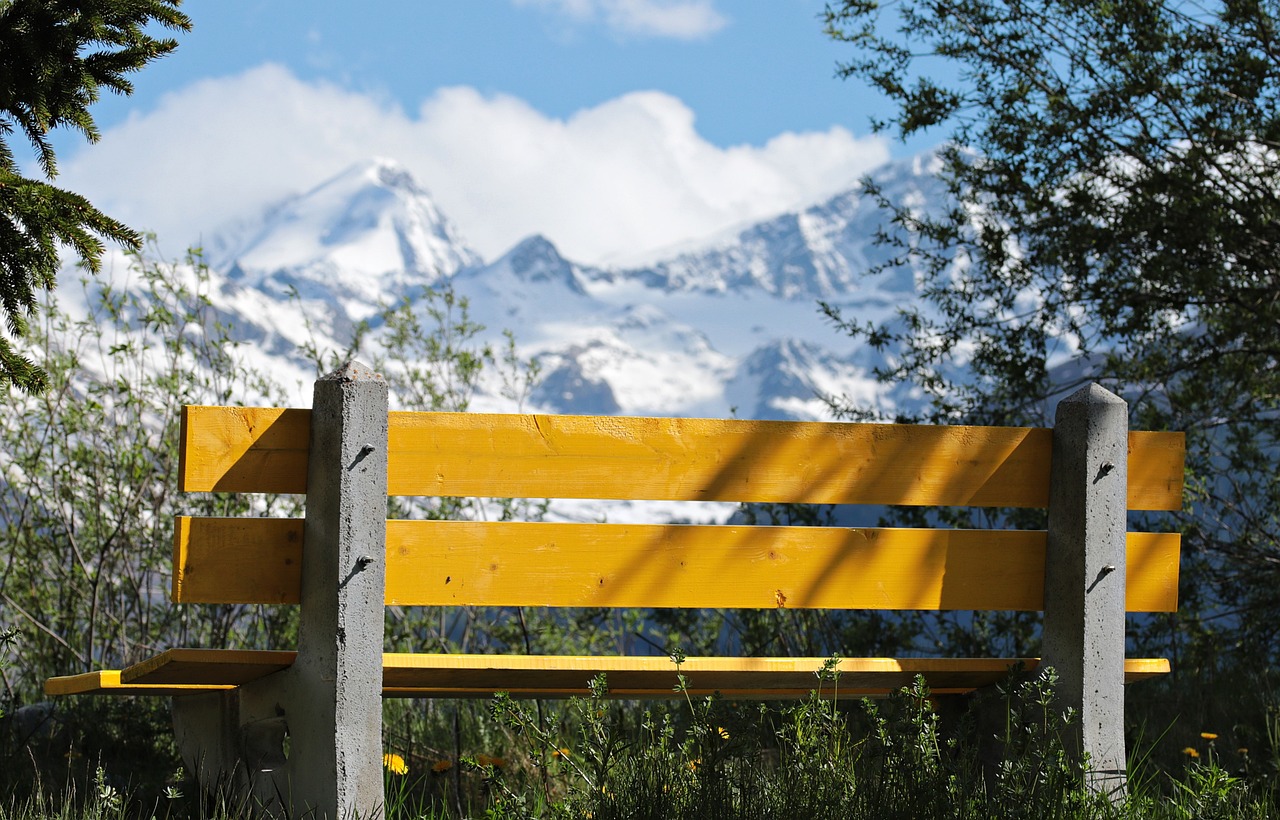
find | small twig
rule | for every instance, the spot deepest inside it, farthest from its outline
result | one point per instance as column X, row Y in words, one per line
column 46, row 630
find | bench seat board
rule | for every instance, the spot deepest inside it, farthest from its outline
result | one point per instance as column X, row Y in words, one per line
column 444, row 563
column 245, row 449
column 187, row 671
column 107, row 681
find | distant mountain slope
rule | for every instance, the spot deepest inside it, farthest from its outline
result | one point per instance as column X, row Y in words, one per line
column 728, row 327
column 359, row 238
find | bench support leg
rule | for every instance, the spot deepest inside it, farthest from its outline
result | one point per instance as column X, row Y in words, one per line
column 336, row 724
column 308, row 741
column 1084, row 599
column 236, row 744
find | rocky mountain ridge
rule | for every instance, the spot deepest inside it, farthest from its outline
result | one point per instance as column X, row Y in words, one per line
column 730, row 327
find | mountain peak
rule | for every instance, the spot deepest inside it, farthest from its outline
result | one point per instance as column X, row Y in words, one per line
column 536, row 259
column 368, row 235
column 383, row 172
column 534, row 251
column 731, row 325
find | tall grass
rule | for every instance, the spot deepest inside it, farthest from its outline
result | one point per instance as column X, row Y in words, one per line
column 820, row 757
column 906, row 756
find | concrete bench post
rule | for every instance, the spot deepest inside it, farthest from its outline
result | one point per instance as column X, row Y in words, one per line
column 307, row 742
column 336, row 725
column 1084, row 596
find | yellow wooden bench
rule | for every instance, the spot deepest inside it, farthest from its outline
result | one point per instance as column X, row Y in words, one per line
column 345, row 561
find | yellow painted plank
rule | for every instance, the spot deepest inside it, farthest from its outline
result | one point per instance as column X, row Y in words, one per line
column 410, row 675
column 244, row 449
column 248, row 560
column 437, row 675
column 1151, row 571
column 205, row 667
column 716, row 460
column 107, row 682
column 454, row 563
column 87, row 682
column 535, row 456
column 1157, row 464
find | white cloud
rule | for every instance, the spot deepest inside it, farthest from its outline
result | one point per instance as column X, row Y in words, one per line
column 627, row 176
column 681, row 19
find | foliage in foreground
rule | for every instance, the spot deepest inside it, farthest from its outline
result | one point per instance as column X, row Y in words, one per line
column 826, row 756
column 821, row 757
column 1113, row 170
column 55, row 59
column 89, row 476
column 89, row 470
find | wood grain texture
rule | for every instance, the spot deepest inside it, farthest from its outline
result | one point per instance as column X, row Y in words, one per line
column 456, row 563
column 607, row 457
column 237, row 560
column 243, row 449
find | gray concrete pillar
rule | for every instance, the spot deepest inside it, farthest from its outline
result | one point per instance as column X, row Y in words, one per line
column 335, row 712
column 307, row 741
column 1084, row 595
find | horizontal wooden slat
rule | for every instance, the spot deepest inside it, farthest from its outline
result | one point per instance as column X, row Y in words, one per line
column 411, row 675
column 107, row 682
column 435, row 675
column 1157, row 465
column 208, row 666
column 239, row 560
column 243, row 449
column 716, row 460
column 534, row 456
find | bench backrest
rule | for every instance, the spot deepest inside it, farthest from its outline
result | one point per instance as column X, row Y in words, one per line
column 481, row 563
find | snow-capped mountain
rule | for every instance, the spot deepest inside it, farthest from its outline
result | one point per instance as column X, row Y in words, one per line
column 358, row 239
column 823, row 252
column 730, row 327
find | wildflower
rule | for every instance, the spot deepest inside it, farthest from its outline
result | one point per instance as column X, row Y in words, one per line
column 1208, row 736
column 441, row 766
column 561, row 752
column 486, row 760
column 1242, row 751
column 722, row 732
column 394, row 763
column 1191, row 752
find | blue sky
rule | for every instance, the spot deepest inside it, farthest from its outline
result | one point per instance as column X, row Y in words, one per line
column 614, row 127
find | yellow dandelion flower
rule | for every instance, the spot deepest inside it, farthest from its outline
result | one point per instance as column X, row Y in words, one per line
column 722, row 732
column 561, row 752
column 394, row 763
column 1191, row 752
column 486, row 760
column 1208, row 736
column 441, row 766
